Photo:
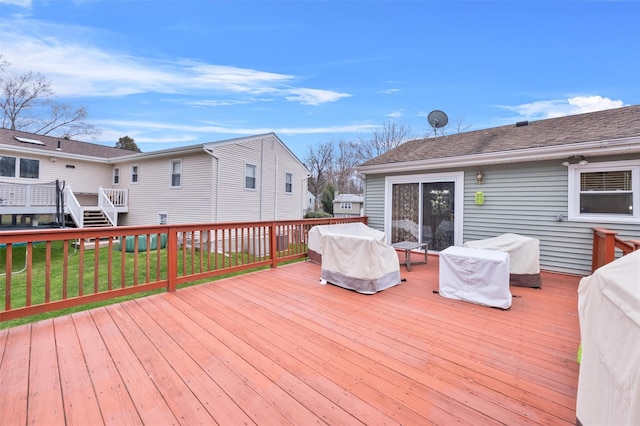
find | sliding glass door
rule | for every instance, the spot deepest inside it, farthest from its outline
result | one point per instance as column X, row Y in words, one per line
column 422, row 208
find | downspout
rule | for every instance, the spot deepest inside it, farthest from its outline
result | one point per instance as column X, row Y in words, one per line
column 204, row 148
column 261, row 176
column 275, row 192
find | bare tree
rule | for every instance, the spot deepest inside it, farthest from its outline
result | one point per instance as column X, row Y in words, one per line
column 319, row 162
column 384, row 139
column 344, row 169
column 27, row 104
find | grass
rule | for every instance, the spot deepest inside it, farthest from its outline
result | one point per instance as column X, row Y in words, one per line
column 81, row 276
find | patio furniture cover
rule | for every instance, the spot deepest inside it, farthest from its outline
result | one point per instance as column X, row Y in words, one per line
column 314, row 241
column 524, row 257
column 609, row 313
column 359, row 262
column 475, row 275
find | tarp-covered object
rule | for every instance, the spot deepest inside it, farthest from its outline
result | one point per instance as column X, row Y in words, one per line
column 609, row 313
column 314, row 242
column 476, row 276
column 359, row 263
column 524, row 257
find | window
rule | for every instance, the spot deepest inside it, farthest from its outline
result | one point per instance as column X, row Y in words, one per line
column 29, row 169
column 176, row 173
column 19, row 167
column 345, row 206
column 604, row 192
column 250, row 176
column 116, row 175
column 163, row 218
column 288, row 183
column 8, row 166
column 134, row 173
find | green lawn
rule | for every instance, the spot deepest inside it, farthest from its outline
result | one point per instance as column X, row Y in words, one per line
column 76, row 269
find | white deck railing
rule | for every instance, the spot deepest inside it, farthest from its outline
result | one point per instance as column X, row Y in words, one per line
column 73, row 206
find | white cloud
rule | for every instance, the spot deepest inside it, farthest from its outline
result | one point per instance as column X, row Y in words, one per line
column 562, row 107
column 396, row 114
column 80, row 70
column 314, row 96
column 21, row 3
column 143, row 131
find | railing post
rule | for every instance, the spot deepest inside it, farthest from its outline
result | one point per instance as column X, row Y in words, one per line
column 604, row 247
column 273, row 245
column 172, row 258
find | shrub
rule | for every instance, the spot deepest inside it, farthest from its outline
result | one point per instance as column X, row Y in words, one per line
column 317, row 215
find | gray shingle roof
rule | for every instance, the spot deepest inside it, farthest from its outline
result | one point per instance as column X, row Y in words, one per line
column 595, row 126
column 67, row 146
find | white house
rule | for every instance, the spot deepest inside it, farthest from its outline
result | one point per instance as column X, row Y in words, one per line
column 252, row 178
column 348, row 205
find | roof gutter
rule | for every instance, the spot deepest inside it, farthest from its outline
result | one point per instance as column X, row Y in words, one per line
column 602, row 147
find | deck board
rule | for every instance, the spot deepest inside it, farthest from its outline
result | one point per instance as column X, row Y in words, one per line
column 277, row 347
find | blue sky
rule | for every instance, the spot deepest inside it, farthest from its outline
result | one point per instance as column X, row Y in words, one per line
column 177, row 73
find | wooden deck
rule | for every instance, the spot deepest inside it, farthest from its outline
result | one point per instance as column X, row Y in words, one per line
column 276, row 347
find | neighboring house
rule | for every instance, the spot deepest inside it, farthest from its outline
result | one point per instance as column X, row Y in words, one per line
column 348, row 205
column 551, row 179
column 244, row 179
column 311, row 202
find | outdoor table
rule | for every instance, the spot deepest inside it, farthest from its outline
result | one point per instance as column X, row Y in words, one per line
column 408, row 246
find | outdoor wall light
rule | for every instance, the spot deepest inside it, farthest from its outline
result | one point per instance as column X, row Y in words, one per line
column 480, row 176
column 577, row 158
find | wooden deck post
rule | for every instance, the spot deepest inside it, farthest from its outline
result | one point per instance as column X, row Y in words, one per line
column 604, row 244
column 172, row 258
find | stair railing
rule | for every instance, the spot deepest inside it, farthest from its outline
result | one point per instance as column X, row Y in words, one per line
column 74, row 208
column 107, row 207
column 605, row 243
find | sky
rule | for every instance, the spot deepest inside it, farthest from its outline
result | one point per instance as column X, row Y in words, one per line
column 179, row 73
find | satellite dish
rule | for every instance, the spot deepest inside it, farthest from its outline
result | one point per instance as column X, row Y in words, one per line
column 437, row 119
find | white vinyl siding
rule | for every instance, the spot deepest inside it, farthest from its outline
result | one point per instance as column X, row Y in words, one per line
column 192, row 204
column 268, row 201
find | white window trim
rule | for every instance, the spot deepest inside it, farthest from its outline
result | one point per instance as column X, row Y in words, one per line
column 137, row 174
column 171, row 162
column 166, row 215
column 244, row 177
column 113, row 176
column 18, row 167
column 574, row 192
column 285, row 183
column 458, row 180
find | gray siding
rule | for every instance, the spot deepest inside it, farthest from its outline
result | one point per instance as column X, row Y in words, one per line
column 525, row 200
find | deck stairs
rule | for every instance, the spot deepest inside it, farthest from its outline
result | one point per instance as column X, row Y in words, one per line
column 95, row 219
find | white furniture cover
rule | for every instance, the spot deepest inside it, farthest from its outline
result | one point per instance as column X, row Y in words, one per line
column 475, row 275
column 314, row 241
column 609, row 313
column 524, row 257
column 359, row 263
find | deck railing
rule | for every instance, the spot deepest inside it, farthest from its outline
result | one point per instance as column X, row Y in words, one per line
column 47, row 270
column 605, row 244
